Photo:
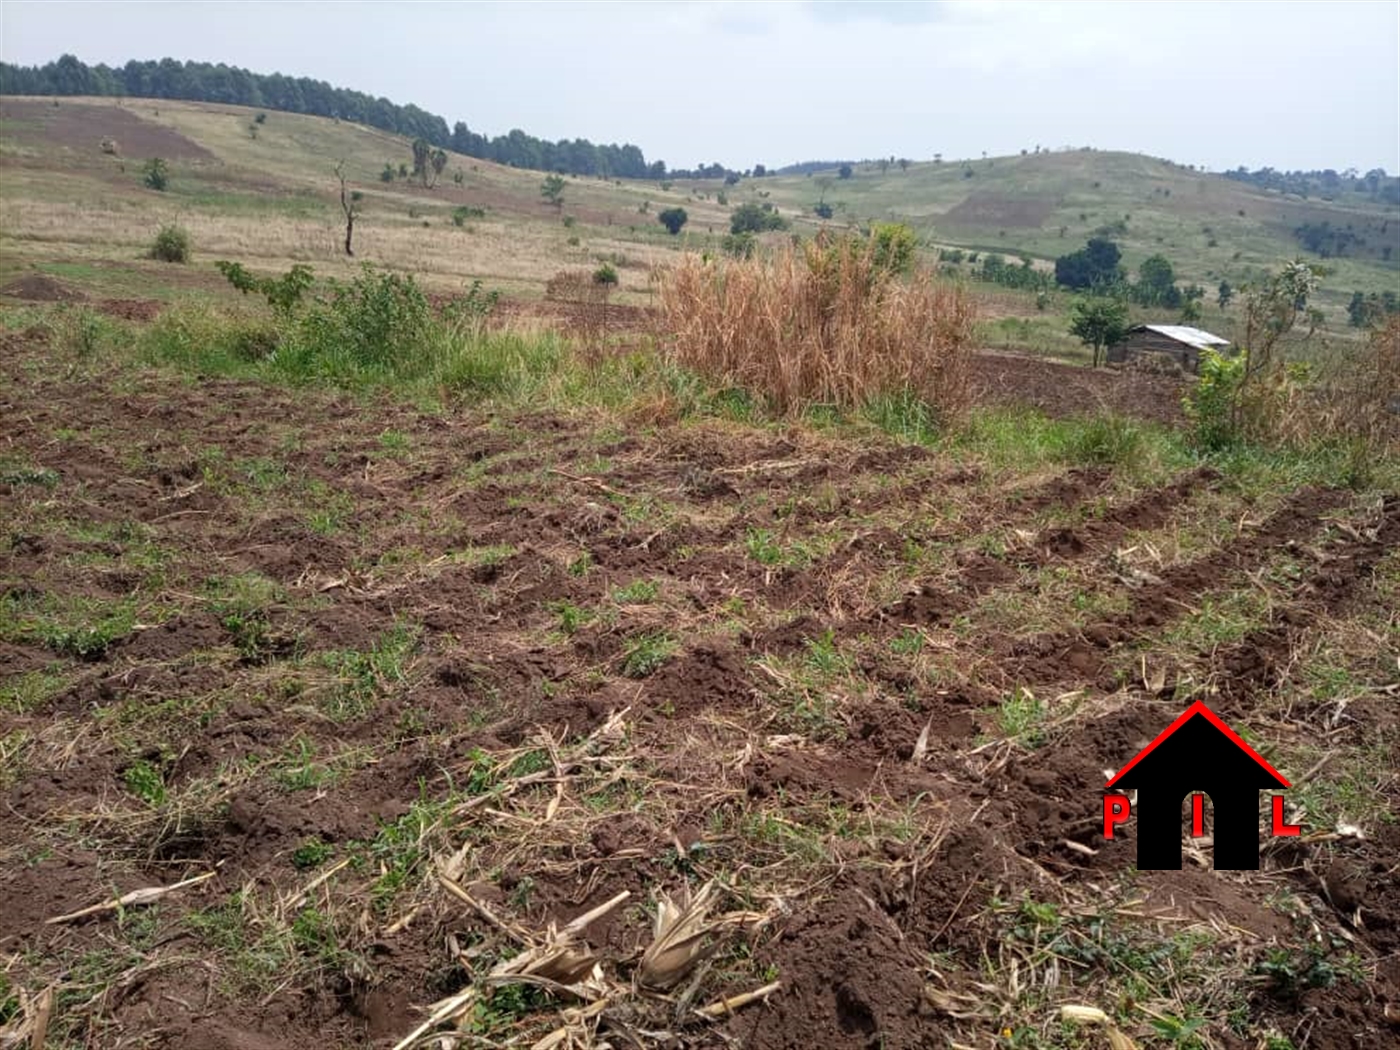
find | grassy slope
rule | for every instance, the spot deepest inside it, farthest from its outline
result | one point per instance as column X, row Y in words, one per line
column 271, row 200
column 1166, row 208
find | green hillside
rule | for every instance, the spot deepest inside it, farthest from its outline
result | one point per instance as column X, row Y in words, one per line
column 264, row 192
column 1047, row 204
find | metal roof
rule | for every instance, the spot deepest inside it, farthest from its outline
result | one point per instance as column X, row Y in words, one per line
column 1185, row 334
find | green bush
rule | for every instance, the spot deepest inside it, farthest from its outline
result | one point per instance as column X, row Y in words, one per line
column 155, row 174
column 755, row 218
column 462, row 214
column 284, row 294
column 1105, row 440
column 673, row 219
column 738, row 245
column 172, row 245
column 1212, row 404
column 374, row 323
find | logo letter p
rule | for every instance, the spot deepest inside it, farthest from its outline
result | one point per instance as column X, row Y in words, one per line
column 1116, row 810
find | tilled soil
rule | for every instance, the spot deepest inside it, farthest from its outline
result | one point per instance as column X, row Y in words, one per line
column 256, row 632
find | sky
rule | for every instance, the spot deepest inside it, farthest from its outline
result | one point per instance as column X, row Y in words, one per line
column 1289, row 85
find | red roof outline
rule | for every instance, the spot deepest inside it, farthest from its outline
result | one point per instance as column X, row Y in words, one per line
column 1199, row 708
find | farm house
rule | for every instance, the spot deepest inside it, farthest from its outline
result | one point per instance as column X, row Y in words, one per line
column 1182, row 343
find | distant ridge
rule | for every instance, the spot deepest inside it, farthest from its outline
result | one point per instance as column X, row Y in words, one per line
column 207, row 82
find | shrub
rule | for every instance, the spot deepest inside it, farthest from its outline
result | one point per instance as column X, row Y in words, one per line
column 462, row 214
column 371, row 324
column 823, row 210
column 738, row 245
column 1105, row 440
column 755, row 218
column 1210, row 403
column 673, row 219
column 825, row 323
column 893, row 244
column 172, row 244
column 283, row 294
column 155, row 174
column 605, row 275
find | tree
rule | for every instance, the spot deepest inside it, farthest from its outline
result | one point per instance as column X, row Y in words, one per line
column 822, row 210
column 155, row 173
column 1093, row 266
column 903, row 163
column 552, row 190
column 1190, row 311
column 439, row 161
column 1099, row 322
column 1224, row 294
column 844, row 172
column 350, row 205
column 755, row 218
column 673, row 219
column 759, row 171
column 1157, row 282
column 422, row 151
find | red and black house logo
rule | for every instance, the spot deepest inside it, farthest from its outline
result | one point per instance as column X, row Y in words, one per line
column 1200, row 755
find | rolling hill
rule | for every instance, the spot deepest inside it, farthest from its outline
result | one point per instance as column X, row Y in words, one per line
column 266, row 193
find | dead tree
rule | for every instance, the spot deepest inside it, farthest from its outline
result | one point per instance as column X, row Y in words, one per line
column 350, row 205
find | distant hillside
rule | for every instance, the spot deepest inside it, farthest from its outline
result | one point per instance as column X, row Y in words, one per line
column 206, row 82
column 1044, row 205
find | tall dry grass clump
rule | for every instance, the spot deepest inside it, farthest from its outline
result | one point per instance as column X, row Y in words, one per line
column 827, row 323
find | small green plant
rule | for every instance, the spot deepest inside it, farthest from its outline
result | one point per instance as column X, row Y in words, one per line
column 144, row 780
column 312, row 853
column 639, row 592
column 155, row 174
column 172, row 244
column 646, row 653
column 605, row 275
column 465, row 212
column 1021, row 716
column 572, row 617
column 763, row 546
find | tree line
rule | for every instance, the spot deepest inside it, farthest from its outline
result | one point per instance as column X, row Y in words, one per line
column 1326, row 183
column 207, row 82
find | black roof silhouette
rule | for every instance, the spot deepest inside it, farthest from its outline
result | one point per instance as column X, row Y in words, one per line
column 1198, row 744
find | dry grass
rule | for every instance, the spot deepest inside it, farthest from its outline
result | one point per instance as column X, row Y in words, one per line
column 821, row 324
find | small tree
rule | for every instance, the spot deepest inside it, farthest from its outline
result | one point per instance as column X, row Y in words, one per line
column 822, row 210
column 552, row 190
column 673, row 219
column 155, row 173
column 387, row 175
column 350, row 205
column 172, row 244
column 844, row 171
column 1224, row 294
column 421, row 159
column 439, row 161
column 1099, row 322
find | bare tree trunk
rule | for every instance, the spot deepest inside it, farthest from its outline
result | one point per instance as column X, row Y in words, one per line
column 347, row 205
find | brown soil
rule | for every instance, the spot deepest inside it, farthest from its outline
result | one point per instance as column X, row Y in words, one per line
column 83, row 127
column 482, row 532
column 41, row 288
column 1064, row 390
column 983, row 208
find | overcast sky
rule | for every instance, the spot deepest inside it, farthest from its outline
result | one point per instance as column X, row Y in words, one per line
column 1292, row 85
